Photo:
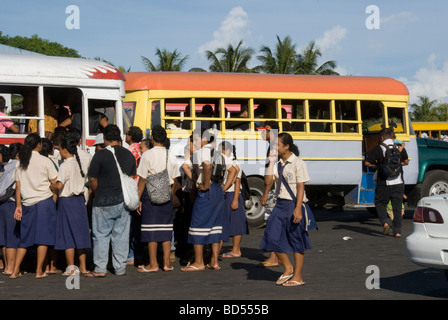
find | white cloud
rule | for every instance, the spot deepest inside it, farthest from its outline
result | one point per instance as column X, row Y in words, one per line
column 234, row 28
column 430, row 81
column 331, row 39
column 399, row 18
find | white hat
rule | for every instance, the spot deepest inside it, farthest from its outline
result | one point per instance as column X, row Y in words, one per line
column 99, row 139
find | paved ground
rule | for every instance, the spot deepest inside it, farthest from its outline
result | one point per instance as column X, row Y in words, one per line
column 334, row 269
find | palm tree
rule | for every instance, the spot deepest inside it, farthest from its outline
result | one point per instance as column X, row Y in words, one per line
column 283, row 60
column 442, row 111
column 168, row 61
column 230, row 59
column 307, row 61
column 424, row 110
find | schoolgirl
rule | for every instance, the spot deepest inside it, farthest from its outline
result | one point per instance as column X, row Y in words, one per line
column 10, row 227
column 206, row 218
column 35, row 207
column 157, row 219
column 286, row 229
column 72, row 225
column 234, row 216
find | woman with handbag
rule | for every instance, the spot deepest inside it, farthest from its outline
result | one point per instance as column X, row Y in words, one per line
column 287, row 225
column 157, row 171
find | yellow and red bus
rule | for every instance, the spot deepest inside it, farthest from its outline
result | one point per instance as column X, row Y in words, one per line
column 334, row 120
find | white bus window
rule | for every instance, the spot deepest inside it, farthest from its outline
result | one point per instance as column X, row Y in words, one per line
column 346, row 110
column 293, row 109
column 207, row 108
column 319, row 109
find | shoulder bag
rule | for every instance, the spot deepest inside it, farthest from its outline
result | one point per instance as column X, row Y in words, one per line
column 158, row 186
column 128, row 185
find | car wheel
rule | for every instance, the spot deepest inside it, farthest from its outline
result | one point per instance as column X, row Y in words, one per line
column 255, row 211
column 435, row 182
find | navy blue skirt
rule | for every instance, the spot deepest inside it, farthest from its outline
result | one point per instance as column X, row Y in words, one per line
column 234, row 222
column 38, row 224
column 157, row 220
column 281, row 234
column 72, row 225
column 206, row 218
column 10, row 227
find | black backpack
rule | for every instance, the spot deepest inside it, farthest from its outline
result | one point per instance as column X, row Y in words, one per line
column 245, row 189
column 391, row 165
column 218, row 166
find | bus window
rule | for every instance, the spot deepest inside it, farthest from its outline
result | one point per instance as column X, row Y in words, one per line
column 177, row 108
column 238, row 109
column 346, row 110
column 319, row 109
column 294, row 109
column 372, row 116
column 128, row 114
column 155, row 113
column 207, row 108
column 397, row 118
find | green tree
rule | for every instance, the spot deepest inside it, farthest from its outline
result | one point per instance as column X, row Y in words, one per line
column 167, row 61
column 230, row 59
column 442, row 111
column 39, row 45
column 424, row 110
column 307, row 62
column 283, row 60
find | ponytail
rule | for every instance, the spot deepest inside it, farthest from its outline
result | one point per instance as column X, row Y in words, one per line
column 228, row 146
column 70, row 144
column 287, row 140
column 31, row 142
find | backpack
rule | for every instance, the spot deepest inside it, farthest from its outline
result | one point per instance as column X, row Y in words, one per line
column 218, row 166
column 391, row 165
column 245, row 189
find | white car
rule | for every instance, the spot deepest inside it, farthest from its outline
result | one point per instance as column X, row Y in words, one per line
column 428, row 244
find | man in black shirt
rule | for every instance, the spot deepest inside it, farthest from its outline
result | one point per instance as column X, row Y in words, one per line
column 110, row 218
column 388, row 188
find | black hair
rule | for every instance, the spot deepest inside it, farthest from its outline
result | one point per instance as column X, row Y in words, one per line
column 47, row 147
column 387, row 133
column 148, row 143
column 228, row 146
column 159, row 134
column 31, row 142
column 58, row 135
column 70, row 143
column 208, row 134
column 112, row 133
column 136, row 134
column 13, row 150
column 4, row 152
column 287, row 140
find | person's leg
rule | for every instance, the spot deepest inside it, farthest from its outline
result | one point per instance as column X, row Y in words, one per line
column 153, row 266
column 198, row 263
column 101, row 233
column 21, row 252
column 215, row 255
column 298, row 267
column 41, row 256
column 120, row 238
column 166, row 246
column 397, row 203
column 82, row 257
column 10, row 260
column 382, row 194
column 288, row 267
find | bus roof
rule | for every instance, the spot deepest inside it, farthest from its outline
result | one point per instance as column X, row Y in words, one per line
column 53, row 70
column 207, row 81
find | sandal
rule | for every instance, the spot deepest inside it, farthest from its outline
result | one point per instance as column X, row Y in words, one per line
column 293, row 283
column 283, row 278
column 192, row 268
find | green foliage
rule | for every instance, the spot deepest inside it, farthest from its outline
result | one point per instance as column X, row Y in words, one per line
column 39, row 45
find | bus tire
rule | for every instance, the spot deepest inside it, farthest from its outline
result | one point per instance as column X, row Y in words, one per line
column 434, row 182
column 255, row 214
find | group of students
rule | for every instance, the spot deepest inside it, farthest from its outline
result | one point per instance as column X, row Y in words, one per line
column 49, row 207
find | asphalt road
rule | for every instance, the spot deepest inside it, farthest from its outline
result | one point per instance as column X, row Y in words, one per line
column 335, row 269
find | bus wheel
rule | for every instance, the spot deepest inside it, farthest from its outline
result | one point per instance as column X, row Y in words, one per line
column 255, row 212
column 435, row 182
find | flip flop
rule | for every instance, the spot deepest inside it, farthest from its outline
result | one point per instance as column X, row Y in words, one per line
column 213, row 268
column 92, row 274
column 143, row 270
column 18, row 276
column 266, row 264
column 293, row 283
column 167, row 269
column 283, row 278
column 229, row 255
column 191, row 268
column 42, row 276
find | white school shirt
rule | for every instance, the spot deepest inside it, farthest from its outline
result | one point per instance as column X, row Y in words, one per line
column 154, row 161
column 229, row 164
column 70, row 175
column 187, row 183
column 36, row 179
column 199, row 157
column 294, row 172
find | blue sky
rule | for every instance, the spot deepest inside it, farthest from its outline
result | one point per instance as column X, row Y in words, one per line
column 410, row 44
